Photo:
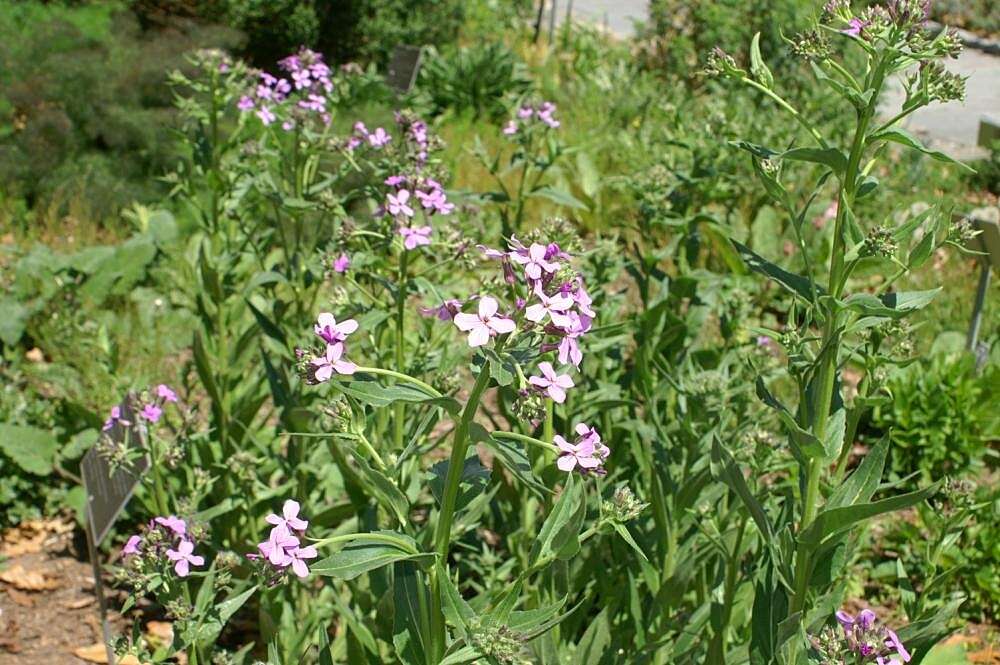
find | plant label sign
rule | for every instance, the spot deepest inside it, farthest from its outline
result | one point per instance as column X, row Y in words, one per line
column 108, row 489
column 988, row 241
column 403, row 68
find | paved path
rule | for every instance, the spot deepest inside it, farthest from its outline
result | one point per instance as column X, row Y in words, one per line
column 951, row 127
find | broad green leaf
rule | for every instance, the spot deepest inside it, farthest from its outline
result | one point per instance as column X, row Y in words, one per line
column 13, row 319
column 381, row 487
column 32, row 449
column 834, row 520
column 903, row 137
column 474, row 481
column 409, row 595
column 795, row 283
column 369, row 391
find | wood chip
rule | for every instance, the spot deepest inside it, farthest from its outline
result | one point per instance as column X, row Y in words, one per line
column 97, row 653
column 79, row 603
column 27, row 580
column 19, row 598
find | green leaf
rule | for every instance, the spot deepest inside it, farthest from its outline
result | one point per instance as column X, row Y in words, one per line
column 32, row 449
column 755, row 150
column 860, row 486
column 474, row 481
column 833, row 437
column 383, row 489
column 364, row 554
column 270, row 328
column 559, row 196
column 831, row 157
column 466, row 654
column 13, row 319
column 510, row 457
column 757, row 66
column 834, row 520
column 560, row 534
column 903, row 137
column 919, row 254
column 456, row 611
column 409, row 595
column 894, row 305
column 724, row 468
column 623, row 532
column 371, row 392
column 795, row 283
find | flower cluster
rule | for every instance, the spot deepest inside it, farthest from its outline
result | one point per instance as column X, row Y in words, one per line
column 405, row 197
column 301, row 94
column 527, row 116
column 586, row 454
column 165, row 539
column 152, row 408
column 322, row 366
column 282, row 551
column 864, row 640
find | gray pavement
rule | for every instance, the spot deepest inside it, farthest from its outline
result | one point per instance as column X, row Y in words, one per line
column 950, row 127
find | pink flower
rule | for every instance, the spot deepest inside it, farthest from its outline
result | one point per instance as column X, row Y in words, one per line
column 184, row 558
column 569, row 348
column 331, row 362
column 132, row 546
column 534, row 262
column 545, row 114
column 341, row 263
column 174, row 523
column 555, row 307
column 510, row 128
column 164, row 392
column 151, row 412
column 583, row 301
column 525, row 112
column 379, row 138
column 297, row 556
column 245, row 103
column 397, row 203
column 360, row 128
column 289, row 517
column 485, row 324
column 275, row 548
column 554, row 385
column 591, row 435
column 854, row 27
column 332, row 332
column 572, row 455
column 414, row 237
column 435, row 199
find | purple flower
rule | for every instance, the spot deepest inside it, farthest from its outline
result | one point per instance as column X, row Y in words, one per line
column 164, row 392
column 289, row 517
column 534, row 262
column 379, row 138
column 174, row 523
column 132, row 546
column 555, row 307
column 275, row 548
column 435, row 199
column 151, row 412
column 184, row 558
column 265, row 115
column 485, row 324
column 854, row 27
column 114, row 417
column 331, row 362
column 446, row 311
column 397, row 203
column 360, row 128
column 510, row 128
column 330, row 331
column 414, row 237
column 569, row 348
column 525, row 112
column 341, row 263
column 395, row 180
column 588, row 433
column 545, row 115
column 867, row 638
column 583, row 301
column 245, row 103
column 554, row 385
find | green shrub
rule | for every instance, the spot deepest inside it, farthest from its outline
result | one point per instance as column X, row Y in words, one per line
column 940, row 416
column 475, row 79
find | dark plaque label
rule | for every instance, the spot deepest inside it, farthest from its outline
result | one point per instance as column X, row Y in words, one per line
column 403, row 68
column 109, row 488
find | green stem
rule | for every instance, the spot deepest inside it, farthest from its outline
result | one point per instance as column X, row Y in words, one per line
column 398, row 407
column 788, row 107
column 159, row 490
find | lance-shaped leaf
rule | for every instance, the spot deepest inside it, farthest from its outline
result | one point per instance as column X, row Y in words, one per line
column 409, row 596
column 560, row 534
column 758, row 69
column 456, row 611
column 368, row 551
column 831, row 157
column 893, row 305
column 724, row 468
column 861, row 485
column 510, row 457
column 797, row 284
column 903, row 137
column 383, row 489
column 375, row 394
column 832, row 521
